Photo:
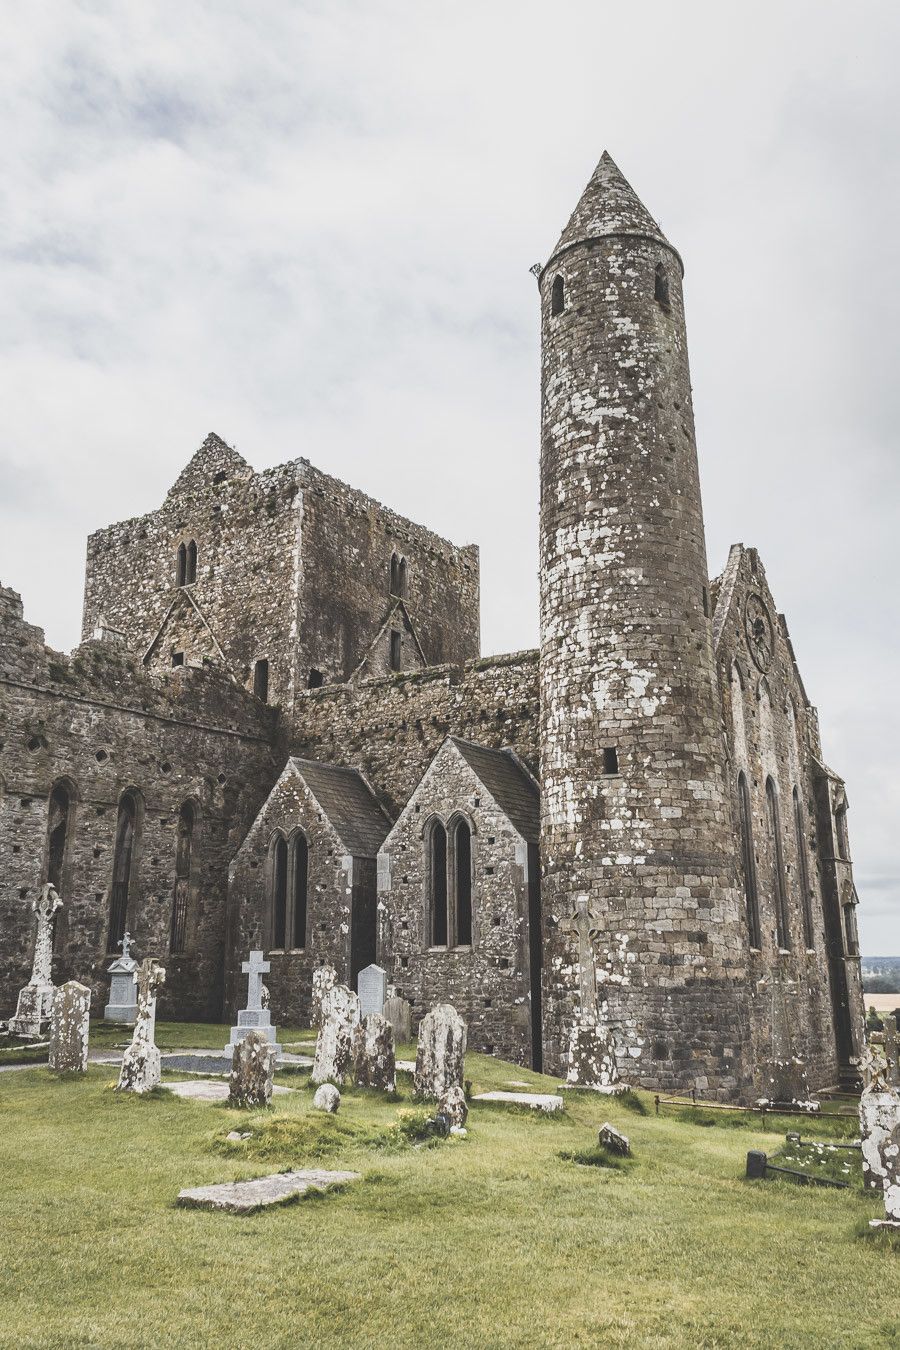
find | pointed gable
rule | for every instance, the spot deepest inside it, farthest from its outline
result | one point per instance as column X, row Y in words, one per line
column 608, row 206
column 214, row 458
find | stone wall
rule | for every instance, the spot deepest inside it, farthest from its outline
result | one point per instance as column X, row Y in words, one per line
column 293, row 567
column 487, row 981
column 392, row 728
column 97, row 724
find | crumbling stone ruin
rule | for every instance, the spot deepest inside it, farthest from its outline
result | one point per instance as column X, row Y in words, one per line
column 278, row 734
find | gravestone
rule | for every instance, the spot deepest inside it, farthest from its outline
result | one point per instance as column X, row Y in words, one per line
column 371, row 984
column 140, row 1070
column 441, row 1052
column 334, row 1044
column 255, row 1017
column 69, row 1028
column 324, row 978
column 35, row 1000
column 398, row 1011
column 452, row 1104
column 613, row 1139
column 252, row 1066
column 243, row 1197
column 122, row 1005
column 327, row 1098
column 879, row 1126
column 373, row 1054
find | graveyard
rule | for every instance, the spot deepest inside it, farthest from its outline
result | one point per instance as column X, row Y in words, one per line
column 502, row 1236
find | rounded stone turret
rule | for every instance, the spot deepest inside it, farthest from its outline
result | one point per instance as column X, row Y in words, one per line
column 636, row 822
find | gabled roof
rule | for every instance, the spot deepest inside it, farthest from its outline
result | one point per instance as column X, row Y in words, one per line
column 213, row 457
column 609, row 205
column 509, row 783
column 348, row 802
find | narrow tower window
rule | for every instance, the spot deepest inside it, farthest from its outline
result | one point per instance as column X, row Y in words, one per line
column 558, row 296
column 840, row 830
column 190, row 572
column 395, row 574
column 261, row 679
column 437, row 884
column 183, row 853
column 661, row 288
column 803, row 872
column 610, row 760
column 126, row 828
column 402, row 580
column 300, row 891
column 749, row 860
column 181, row 565
column 278, row 898
column 781, row 910
column 57, row 835
column 395, row 650
column 462, row 883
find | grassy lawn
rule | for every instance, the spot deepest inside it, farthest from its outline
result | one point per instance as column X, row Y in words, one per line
column 492, row 1240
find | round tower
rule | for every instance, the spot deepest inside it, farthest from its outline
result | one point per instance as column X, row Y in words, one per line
column 636, row 821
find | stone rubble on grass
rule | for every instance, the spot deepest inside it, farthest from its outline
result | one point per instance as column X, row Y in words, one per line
column 879, row 1124
column 373, row 1054
column 334, row 1046
column 452, row 1104
column 140, row 1070
column 613, row 1139
column 69, row 1027
column 243, row 1197
column 327, row 1098
column 237, row 1136
column 35, row 1000
column 324, row 978
column 441, row 1052
column 536, row 1101
column 398, row 1012
column 252, row 1067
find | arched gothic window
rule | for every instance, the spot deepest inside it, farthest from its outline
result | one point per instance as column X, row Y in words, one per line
column 749, row 860
column 181, row 565
column 462, row 884
column 190, row 572
column 123, row 866
column 661, row 287
column 183, row 858
column 437, row 885
column 840, row 830
column 279, row 887
column 299, row 890
column 261, row 679
column 399, row 576
column 809, row 938
column 57, row 834
column 783, row 932
column 558, row 296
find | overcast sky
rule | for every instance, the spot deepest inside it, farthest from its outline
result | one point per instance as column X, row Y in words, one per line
column 308, row 227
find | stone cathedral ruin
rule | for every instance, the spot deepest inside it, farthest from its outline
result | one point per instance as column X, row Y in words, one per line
column 278, row 733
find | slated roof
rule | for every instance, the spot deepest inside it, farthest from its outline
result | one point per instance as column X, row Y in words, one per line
column 349, row 803
column 509, row 783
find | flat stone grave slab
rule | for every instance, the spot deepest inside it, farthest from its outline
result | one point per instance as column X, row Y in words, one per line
column 537, row 1101
column 406, row 1065
column 243, row 1197
column 219, row 1062
column 198, row 1090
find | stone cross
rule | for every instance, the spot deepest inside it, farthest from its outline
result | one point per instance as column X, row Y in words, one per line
column 125, row 944
column 140, row 1070
column 584, row 925
column 44, row 907
column 255, row 968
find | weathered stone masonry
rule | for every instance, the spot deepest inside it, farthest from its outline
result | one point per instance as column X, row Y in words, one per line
column 278, row 730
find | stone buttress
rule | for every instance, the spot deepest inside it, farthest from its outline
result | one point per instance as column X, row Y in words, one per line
column 635, row 816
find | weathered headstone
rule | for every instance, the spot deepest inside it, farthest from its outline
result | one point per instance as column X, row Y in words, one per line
column 122, row 1005
column 35, row 1000
column 613, row 1139
column 324, row 978
column 334, row 1044
column 879, row 1124
column 452, row 1104
column 372, row 986
column 252, row 1066
column 441, row 1052
column 398, row 1011
column 373, row 1054
column 69, row 1028
column 256, row 1016
column 140, row 1070
column 592, row 1057
column 327, row 1098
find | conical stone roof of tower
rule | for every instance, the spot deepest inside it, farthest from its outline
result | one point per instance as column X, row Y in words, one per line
column 609, row 205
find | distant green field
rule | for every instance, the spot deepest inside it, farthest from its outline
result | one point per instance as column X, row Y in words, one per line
column 513, row 1236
